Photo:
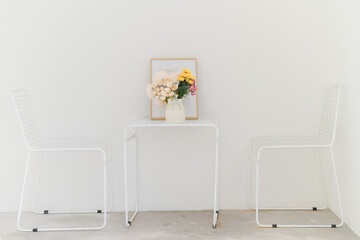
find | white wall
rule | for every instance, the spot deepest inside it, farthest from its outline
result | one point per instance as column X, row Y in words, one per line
column 261, row 67
column 345, row 35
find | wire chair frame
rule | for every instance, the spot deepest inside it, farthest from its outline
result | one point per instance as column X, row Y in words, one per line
column 323, row 138
column 34, row 143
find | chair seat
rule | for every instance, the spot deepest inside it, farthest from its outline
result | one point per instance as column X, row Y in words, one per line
column 257, row 143
column 75, row 145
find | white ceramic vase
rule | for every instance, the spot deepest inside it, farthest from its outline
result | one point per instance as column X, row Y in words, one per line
column 175, row 111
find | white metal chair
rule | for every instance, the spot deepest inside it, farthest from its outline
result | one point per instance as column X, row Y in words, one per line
column 35, row 143
column 324, row 138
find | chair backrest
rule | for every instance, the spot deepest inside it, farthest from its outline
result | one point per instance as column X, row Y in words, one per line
column 329, row 114
column 27, row 118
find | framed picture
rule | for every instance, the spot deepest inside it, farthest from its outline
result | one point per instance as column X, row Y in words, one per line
column 159, row 66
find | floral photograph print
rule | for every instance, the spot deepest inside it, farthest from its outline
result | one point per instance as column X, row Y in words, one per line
column 173, row 81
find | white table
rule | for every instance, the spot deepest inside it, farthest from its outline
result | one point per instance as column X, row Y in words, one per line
column 161, row 123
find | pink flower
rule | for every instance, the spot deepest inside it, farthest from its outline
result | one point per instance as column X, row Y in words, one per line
column 193, row 89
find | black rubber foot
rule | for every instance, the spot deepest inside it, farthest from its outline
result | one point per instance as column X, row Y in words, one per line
column 333, row 225
column 274, row 225
column 129, row 222
column 35, row 229
column 214, row 226
column 217, row 212
column 46, row 211
column 315, row 209
column 99, row 211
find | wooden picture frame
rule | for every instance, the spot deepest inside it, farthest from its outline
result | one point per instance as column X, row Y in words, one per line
column 175, row 64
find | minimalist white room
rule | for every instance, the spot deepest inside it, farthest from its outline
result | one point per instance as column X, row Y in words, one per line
column 192, row 119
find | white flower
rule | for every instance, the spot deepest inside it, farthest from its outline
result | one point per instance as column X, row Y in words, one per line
column 167, row 90
column 174, row 87
column 162, row 98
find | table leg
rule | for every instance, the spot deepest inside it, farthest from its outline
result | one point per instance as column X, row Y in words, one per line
column 216, row 207
column 125, row 179
column 127, row 220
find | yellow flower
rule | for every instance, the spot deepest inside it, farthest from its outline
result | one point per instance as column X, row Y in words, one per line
column 185, row 75
column 191, row 76
column 181, row 78
column 190, row 81
column 186, row 70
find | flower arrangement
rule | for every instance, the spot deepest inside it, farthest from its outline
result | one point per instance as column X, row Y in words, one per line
column 167, row 87
column 186, row 84
column 163, row 90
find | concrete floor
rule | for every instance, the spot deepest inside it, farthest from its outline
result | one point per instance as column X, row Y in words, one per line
column 179, row 225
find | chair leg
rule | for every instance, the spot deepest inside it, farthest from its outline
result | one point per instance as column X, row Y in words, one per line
column 250, row 177
column 322, row 181
column 127, row 222
column 110, row 186
column 22, row 195
column 294, row 225
column 250, row 191
column 47, row 211
column 37, row 183
column 67, row 228
column 257, row 195
column 337, row 188
column 137, row 181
